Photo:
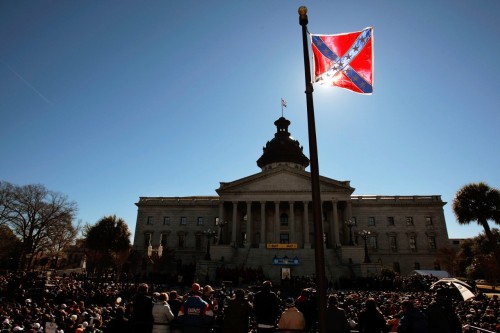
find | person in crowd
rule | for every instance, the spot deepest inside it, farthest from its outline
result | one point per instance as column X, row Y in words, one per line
column 336, row 319
column 119, row 324
column 237, row 313
column 207, row 295
column 266, row 308
column 162, row 315
column 371, row 320
column 195, row 314
column 175, row 303
column 307, row 305
column 413, row 320
column 291, row 318
column 441, row 315
column 142, row 310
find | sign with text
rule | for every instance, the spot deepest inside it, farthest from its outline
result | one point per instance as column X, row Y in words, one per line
column 281, row 246
column 286, row 261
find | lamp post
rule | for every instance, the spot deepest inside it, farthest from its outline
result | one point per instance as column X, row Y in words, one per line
column 221, row 225
column 350, row 224
column 158, row 251
column 365, row 234
column 209, row 233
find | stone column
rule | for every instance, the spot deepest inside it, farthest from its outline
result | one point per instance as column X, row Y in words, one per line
column 235, row 211
column 276, row 221
column 249, row 224
column 221, row 219
column 335, row 226
column 262, row 224
column 307, row 243
column 292, row 223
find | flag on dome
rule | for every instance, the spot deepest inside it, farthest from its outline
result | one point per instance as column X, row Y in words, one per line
column 344, row 60
column 283, row 103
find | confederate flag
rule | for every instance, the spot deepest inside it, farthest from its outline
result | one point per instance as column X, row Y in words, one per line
column 344, row 60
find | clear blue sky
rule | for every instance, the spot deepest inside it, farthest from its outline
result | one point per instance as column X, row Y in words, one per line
column 107, row 101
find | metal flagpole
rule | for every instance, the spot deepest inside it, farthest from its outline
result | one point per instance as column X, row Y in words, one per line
column 319, row 253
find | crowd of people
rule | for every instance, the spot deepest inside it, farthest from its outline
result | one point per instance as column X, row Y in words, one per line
column 36, row 304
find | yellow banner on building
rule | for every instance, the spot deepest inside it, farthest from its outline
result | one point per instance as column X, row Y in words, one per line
column 281, row 246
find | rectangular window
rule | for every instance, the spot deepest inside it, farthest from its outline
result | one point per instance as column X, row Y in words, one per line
column 413, row 243
column 180, row 240
column 393, row 243
column 166, row 220
column 428, row 220
column 390, row 220
column 372, row 242
column 371, row 221
column 409, row 220
column 416, row 265
column 149, row 220
column 283, row 220
column 199, row 221
column 183, row 220
column 432, row 242
column 198, row 242
column 147, row 239
column 354, row 221
column 284, row 238
column 163, row 240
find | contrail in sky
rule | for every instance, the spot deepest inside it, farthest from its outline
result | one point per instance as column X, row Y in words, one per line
column 27, row 83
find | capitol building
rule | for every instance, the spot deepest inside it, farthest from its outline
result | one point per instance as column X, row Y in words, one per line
column 265, row 221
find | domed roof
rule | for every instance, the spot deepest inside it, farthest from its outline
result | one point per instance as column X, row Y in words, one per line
column 282, row 149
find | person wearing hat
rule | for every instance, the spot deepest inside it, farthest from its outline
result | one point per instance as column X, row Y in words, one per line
column 291, row 318
column 195, row 314
column 441, row 315
column 266, row 308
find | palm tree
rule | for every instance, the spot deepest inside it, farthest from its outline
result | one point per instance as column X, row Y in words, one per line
column 479, row 202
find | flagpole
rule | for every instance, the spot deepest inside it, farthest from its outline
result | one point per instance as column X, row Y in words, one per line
column 319, row 252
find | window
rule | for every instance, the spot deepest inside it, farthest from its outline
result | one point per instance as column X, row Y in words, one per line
column 181, row 240
column 284, row 220
column 199, row 221
column 354, row 221
column 284, row 238
column 166, row 220
column 149, row 220
column 390, row 220
column 428, row 220
column 413, row 243
column 396, row 267
column 372, row 242
column 416, row 265
column 147, row 239
column 409, row 220
column 371, row 220
column 163, row 240
column 393, row 243
column 432, row 242
column 198, row 241
column 183, row 220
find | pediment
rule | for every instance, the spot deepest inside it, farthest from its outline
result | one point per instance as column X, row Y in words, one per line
column 282, row 179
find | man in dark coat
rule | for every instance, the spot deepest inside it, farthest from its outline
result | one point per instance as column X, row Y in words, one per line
column 266, row 308
column 412, row 320
column 142, row 310
column 442, row 317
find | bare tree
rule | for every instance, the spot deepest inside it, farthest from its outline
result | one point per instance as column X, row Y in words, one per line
column 34, row 214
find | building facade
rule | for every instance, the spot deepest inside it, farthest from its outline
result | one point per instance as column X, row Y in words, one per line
column 265, row 220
